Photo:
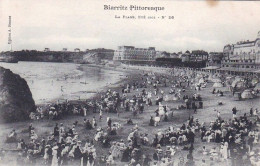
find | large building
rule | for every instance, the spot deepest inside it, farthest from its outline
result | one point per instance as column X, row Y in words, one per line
column 198, row 55
column 194, row 56
column 243, row 54
column 130, row 53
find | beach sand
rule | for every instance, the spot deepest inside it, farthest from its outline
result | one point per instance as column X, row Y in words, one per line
column 44, row 127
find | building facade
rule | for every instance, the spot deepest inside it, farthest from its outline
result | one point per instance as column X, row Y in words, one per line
column 199, row 55
column 130, row 53
column 243, row 54
column 215, row 59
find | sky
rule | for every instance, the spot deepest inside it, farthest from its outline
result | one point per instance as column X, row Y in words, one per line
column 85, row 24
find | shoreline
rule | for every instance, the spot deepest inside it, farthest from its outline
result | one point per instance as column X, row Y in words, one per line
column 98, row 93
column 129, row 71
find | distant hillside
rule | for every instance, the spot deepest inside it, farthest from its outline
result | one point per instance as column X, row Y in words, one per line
column 104, row 53
column 55, row 56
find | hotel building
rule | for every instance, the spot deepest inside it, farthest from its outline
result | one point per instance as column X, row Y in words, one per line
column 244, row 54
column 130, row 53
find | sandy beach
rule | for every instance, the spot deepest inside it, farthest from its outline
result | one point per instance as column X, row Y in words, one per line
column 180, row 116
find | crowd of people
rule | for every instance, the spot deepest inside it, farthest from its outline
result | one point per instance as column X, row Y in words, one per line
column 234, row 138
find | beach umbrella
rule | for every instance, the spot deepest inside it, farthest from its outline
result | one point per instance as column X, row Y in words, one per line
column 247, row 94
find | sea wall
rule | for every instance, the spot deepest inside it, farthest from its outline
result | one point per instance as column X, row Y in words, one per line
column 16, row 102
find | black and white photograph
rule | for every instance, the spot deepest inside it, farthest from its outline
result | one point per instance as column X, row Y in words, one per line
column 129, row 83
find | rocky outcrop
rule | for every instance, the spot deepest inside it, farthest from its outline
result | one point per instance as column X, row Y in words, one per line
column 16, row 102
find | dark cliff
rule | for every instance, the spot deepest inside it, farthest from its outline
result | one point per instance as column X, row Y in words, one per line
column 16, row 100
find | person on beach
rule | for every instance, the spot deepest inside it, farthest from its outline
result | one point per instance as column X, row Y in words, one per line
column 100, row 115
column 251, row 111
column 94, row 123
column 234, row 111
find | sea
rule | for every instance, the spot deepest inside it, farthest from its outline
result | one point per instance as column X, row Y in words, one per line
column 58, row 82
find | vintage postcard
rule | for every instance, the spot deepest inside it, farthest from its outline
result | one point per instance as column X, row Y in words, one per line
column 129, row 83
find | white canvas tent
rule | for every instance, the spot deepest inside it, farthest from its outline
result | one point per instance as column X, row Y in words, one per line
column 201, row 81
column 254, row 81
column 217, row 85
column 257, row 86
column 247, row 94
column 238, row 84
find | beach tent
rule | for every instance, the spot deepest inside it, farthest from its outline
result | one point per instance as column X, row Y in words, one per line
column 201, row 81
column 237, row 96
column 216, row 80
column 238, row 78
column 247, row 94
column 238, row 84
column 230, row 78
column 176, row 97
column 257, row 86
column 210, row 77
column 167, row 98
column 254, row 81
column 217, row 85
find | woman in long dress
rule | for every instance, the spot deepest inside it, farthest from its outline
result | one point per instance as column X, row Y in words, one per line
column 256, row 136
column 55, row 160
column 225, row 150
column 46, row 155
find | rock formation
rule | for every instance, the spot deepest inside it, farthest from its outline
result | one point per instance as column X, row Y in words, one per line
column 16, row 102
